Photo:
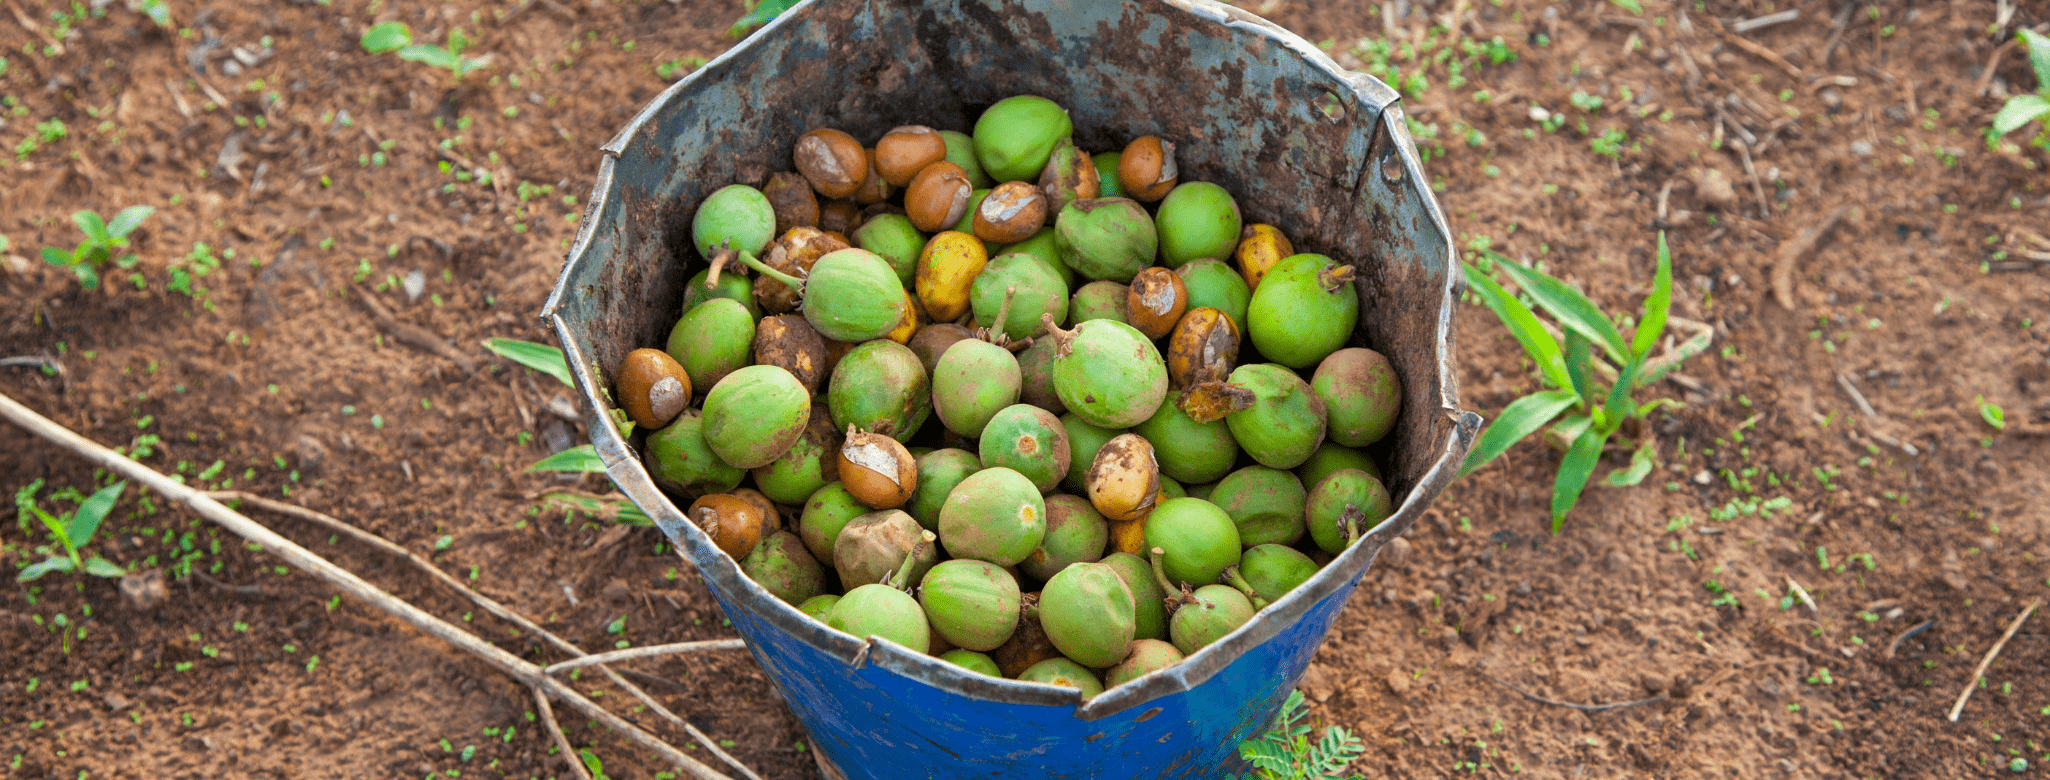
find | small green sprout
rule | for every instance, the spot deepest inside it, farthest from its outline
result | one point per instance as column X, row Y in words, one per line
column 72, row 531
column 102, row 240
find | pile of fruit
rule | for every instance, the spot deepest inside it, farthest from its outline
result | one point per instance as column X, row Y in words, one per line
column 1045, row 414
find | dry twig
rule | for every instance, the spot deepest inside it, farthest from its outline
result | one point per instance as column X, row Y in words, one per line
column 569, row 754
column 651, row 651
column 414, row 336
column 1768, row 20
column 1764, row 204
column 1790, row 254
column 1763, row 53
column 1917, row 628
column 1970, row 684
column 1836, row 30
column 1802, row 593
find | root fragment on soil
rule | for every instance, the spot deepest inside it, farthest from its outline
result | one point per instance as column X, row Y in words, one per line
column 1788, row 259
column 305, row 560
column 1570, row 705
column 1912, row 630
column 1980, row 672
column 414, row 336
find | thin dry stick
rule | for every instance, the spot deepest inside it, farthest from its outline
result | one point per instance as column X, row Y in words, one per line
column 569, row 754
column 1763, row 53
column 1959, row 707
column 1764, row 205
column 305, row 560
column 1917, row 628
column 1992, row 64
column 1864, row 407
column 1788, row 259
column 1768, row 20
column 1803, row 594
column 1836, row 30
column 651, row 651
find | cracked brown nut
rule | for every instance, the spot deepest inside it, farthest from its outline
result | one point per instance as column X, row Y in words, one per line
column 1124, row 480
column 842, row 216
column 875, row 189
column 1146, row 170
column 904, row 151
column 1156, row 301
column 734, row 523
column 1203, row 348
column 937, row 197
column 1012, row 212
column 832, row 161
column 793, row 201
column 876, row 469
column 653, row 387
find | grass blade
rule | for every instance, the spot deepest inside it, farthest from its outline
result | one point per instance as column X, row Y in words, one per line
column 1521, row 418
column 1619, row 406
column 1569, row 306
column 101, row 567
column 1579, row 354
column 1641, row 463
column 540, row 357
column 1574, row 472
column 86, row 521
column 53, row 563
column 583, row 459
column 1542, row 348
column 1656, row 307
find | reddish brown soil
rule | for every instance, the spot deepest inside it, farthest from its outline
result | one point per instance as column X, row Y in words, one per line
column 283, row 376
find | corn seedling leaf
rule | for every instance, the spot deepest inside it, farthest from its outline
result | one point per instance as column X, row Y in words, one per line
column 1542, row 348
column 57, row 564
column 101, row 567
column 1618, row 407
column 1574, row 472
column 1567, row 305
column 540, row 357
column 1641, row 463
column 128, row 220
column 86, row 521
column 1579, row 356
column 1521, row 418
column 387, row 36
column 2020, row 110
column 581, row 459
column 1656, row 306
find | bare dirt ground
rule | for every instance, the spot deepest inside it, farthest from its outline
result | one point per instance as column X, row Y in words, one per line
column 314, row 173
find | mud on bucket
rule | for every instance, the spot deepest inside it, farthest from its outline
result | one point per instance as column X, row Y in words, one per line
column 1302, row 144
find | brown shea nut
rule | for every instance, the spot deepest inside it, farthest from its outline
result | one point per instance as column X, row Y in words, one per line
column 1124, row 480
column 1203, row 348
column 841, row 217
column 790, row 342
column 874, row 189
column 734, row 524
column 653, row 387
column 793, row 201
column 832, row 161
column 1070, row 175
column 792, row 254
column 876, row 470
column 1146, row 170
column 772, row 520
column 1156, row 301
column 904, row 151
column 937, row 197
column 1012, row 212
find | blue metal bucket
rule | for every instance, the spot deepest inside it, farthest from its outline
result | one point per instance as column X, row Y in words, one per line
column 1320, row 152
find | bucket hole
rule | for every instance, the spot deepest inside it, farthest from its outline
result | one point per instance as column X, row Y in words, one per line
column 1391, row 167
column 1330, row 105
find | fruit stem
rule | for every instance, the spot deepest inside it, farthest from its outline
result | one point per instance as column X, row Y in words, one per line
column 1232, row 577
column 1063, row 340
column 1335, row 277
column 762, row 268
column 901, row 578
column 1001, row 331
column 719, row 261
column 1349, row 522
column 1176, row 596
column 1028, row 607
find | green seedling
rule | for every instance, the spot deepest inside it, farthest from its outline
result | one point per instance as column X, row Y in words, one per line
column 72, row 531
column 2025, row 108
column 199, row 263
column 157, row 10
column 1991, row 413
column 1591, row 415
column 397, row 36
column 102, row 240
column 760, row 12
column 1286, row 752
column 540, row 357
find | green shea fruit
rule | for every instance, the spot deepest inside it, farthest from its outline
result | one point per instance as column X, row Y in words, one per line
column 938, row 472
column 1101, row 301
column 1197, row 538
column 1212, row 612
column 713, row 340
column 961, row 151
column 1065, row 673
column 1107, row 174
column 1265, row 504
column 882, row 611
column 1075, row 533
column 1087, row 612
column 1042, row 246
column 1028, row 440
column 1033, row 287
column 1149, row 610
column 967, row 222
column 1215, row 284
column 680, row 461
column 736, row 217
column 1035, row 375
column 1285, row 424
column 820, row 607
column 1171, row 489
column 853, row 295
column 972, row 604
column 1361, row 395
column 972, row 661
column 1147, row 656
column 1347, row 502
column 1108, row 373
column 1201, row 491
column 1084, row 440
column 782, row 566
column 1105, row 239
column 994, row 515
column 808, row 465
column 1015, row 137
column 1189, row 451
column 1328, row 459
column 825, row 515
column 874, row 546
column 1305, row 309
column 1273, row 570
column 880, row 387
column 972, row 381
column 731, row 285
column 892, row 238
column 755, row 415
column 1196, row 220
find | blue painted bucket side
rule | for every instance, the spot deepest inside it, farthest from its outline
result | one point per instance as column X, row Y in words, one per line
column 1321, row 153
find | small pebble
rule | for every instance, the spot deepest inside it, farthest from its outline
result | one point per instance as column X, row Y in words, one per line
column 415, row 284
